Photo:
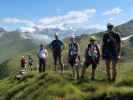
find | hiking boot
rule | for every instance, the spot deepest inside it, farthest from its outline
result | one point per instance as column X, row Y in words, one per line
column 109, row 80
column 113, row 80
column 82, row 77
column 92, row 78
column 61, row 72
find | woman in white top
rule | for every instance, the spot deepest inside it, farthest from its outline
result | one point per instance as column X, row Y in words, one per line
column 42, row 58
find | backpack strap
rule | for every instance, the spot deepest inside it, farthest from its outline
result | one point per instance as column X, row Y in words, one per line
column 97, row 47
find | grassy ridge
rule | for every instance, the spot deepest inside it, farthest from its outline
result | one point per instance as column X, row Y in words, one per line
column 53, row 86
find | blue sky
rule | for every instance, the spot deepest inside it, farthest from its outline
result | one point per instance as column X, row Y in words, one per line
column 49, row 13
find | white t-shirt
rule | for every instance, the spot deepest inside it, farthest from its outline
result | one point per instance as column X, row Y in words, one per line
column 42, row 53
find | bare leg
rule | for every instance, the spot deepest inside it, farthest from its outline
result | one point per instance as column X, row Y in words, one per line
column 93, row 71
column 114, row 71
column 77, row 71
column 108, row 62
column 61, row 65
column 73, row 71
column 83, row 71
column 55, row 63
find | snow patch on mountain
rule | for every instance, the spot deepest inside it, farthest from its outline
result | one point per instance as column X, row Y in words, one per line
column 126, row 38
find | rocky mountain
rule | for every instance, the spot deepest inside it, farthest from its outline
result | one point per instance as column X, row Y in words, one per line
column 125, row 29
column 2, row 30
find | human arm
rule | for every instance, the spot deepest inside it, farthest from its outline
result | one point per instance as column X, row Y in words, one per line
column 103, row 46
column 62, row 45
column 119, row 45
column 46, row 52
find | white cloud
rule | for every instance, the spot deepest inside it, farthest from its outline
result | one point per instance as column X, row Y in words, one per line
column 73, row 17
column 16, row 21
column 113, row 12
column 97, row 26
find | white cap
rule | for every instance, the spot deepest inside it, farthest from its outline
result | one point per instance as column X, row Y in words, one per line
column 56, row 34
column 73, row 36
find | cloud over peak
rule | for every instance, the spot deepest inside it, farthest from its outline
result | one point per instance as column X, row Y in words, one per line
column 113, row 12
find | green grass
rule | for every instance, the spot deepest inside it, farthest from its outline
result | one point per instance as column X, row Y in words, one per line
column 53, row 86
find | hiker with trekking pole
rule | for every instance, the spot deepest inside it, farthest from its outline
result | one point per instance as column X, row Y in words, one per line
column 57, row 47
column 111, row 48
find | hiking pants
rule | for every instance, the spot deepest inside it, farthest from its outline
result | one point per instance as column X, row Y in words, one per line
column 42, row 64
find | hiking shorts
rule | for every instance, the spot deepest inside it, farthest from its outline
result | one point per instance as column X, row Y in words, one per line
column 56, row 55
column 30, row 64
column 72, row 60
column 110, row 55
column 89, row 62
column 57, row 58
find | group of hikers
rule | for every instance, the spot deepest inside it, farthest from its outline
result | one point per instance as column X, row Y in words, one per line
column 110, row 52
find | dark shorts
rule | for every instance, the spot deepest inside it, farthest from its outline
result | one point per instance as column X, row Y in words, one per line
column 72, row 60
column 56, row 55
column 57, row 58
column 110, row 55
column 30, row 64
column 89, row 61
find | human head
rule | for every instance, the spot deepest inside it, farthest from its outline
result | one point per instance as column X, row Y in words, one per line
column 29, row 56
column 72, row 39
column 23, row 57
column 92, row 39
column 41, row 45
column 56, row 36
column 110, row 27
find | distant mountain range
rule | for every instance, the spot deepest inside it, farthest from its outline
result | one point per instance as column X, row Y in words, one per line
column 18, row 41
column 125, row 29
column 12, row 42
column 47, row 34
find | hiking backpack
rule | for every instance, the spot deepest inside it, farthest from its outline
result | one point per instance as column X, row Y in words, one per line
column 73, row 49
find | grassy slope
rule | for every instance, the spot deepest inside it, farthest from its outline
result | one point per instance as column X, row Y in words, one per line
column 53, row 86
column 12, row 44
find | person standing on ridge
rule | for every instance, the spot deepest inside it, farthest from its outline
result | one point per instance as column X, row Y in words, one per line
column 57, row 47
column 111, row 48
column 92, row 56
column 73, row 55
column 30, row 62
column 23, row 63
column 42, row 58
